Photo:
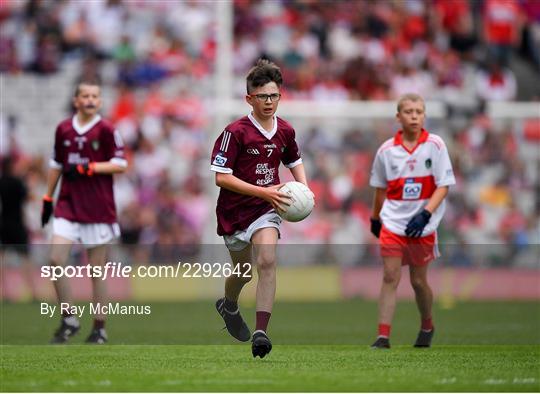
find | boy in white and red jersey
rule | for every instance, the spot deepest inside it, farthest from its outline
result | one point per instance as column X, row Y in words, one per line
column 87, row 152
column 246, row 159
column 411, row 174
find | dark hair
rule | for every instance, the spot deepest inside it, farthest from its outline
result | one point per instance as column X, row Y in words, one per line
column 88, row 82
column 262, row 73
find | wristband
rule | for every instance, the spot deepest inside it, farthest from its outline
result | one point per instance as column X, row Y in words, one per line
column 91, row 169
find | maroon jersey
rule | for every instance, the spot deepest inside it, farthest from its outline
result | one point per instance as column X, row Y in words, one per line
column 88, row 199
column 252, row 154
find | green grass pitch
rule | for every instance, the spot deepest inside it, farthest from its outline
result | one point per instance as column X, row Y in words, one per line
column 479, row 346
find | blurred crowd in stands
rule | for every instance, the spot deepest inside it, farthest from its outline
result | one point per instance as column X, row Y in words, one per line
column 356, row 49
column 150, row 39
column 377, row 50
column 457, row 51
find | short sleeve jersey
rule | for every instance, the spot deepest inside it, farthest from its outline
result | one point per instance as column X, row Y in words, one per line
column 88, row 199
column 253, row 155
column 410, row 178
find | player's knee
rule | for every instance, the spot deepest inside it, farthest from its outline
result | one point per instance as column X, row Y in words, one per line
column 391, row 277
column 418, row 283
column 266, row 262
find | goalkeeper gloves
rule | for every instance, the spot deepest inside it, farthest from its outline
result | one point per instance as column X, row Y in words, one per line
column 46, row 210
column 376, row 226
column 74, row 171
column 416, row 225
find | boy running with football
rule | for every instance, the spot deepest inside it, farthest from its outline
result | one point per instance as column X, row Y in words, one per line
column 245, row 159
column 87, row 152
column 411, row 174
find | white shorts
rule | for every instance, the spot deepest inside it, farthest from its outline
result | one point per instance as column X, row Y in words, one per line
column 240, row 239
column 88, row 234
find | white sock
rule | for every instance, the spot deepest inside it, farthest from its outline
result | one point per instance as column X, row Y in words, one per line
column 72, row 321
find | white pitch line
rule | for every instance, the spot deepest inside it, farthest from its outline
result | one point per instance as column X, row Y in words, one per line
column 447, row 381
column 524, row 380
column 495, row 381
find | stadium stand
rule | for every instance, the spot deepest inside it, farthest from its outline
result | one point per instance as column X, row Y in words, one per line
column 156, row 60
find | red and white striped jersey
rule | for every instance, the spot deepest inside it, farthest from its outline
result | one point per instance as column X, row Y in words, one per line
column 410, row 178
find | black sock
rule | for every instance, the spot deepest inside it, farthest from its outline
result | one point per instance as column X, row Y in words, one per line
column 230, row 306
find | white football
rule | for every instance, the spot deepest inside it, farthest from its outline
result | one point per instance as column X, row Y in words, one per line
column 302, row 201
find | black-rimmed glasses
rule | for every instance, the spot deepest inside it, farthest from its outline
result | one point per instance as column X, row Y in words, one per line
column 264, row 97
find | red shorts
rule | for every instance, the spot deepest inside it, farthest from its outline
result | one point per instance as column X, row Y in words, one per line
column 413, row 251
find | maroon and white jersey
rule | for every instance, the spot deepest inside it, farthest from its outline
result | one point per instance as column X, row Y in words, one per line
column 252, row 154
column 88, row 199
column 410, row 178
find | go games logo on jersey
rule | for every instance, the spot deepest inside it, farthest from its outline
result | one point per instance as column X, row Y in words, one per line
column 412, row 190
column 220, row 160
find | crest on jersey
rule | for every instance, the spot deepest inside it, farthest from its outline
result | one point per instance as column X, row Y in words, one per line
column 67, row 142
column 95, row 144
column 428, row 163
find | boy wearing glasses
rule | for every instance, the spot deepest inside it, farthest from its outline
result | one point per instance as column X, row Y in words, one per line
column 245, row 159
